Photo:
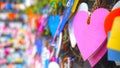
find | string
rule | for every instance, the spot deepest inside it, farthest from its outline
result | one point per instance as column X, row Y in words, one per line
column 75, row 53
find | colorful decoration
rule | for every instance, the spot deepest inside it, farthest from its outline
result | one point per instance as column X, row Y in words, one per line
column 90, row 37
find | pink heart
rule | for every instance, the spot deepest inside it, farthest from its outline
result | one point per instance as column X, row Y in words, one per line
column 93, row 60
column 89, row 37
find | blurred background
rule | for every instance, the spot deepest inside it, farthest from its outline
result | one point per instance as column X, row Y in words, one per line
column 28, row 38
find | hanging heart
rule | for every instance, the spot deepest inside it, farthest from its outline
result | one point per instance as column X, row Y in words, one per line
column 102, row 50
column 114, row 55
column 108, row 26
column 53, row 22
column 89, row 37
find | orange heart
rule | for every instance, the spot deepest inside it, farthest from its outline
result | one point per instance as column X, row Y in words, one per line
column 110, row 18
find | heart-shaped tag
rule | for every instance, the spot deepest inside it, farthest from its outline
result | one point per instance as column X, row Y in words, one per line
column 90, row 37
column 112, row 54
column 53, row 23
column 110, row 18
column 71, row 33
column 117, row 5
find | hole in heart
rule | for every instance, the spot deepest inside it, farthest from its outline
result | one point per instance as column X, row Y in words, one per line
column 88, row 20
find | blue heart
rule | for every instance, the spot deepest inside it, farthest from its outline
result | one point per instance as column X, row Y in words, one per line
column 53, row 22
